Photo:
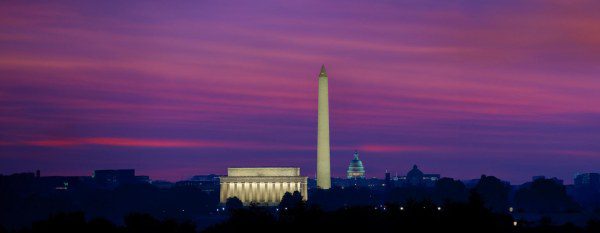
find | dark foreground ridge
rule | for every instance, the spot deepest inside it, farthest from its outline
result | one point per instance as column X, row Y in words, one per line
column 412, row 217
column 37, row 204
column 293, row 215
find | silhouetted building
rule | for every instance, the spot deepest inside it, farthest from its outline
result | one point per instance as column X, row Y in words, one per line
column 586, row 191
column 588, row 180
column 188, row 183
column 142, row 179
column 388, row 180
column 206, row 178
column 33, row 182
column 262, row 185
column 161, row 184
column 114, row 177
column 18, row 181
column 24, row 176
column 416, row 177
column 207, row 183
column 356, row 169
column 63, row 182
column 375, row 184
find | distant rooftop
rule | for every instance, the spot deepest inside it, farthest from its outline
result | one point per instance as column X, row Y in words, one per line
column 263, row 171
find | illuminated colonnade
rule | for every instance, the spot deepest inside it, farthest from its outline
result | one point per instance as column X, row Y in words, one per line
column 264, row 186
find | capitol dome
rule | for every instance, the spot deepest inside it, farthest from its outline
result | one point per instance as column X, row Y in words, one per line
column 356, row 169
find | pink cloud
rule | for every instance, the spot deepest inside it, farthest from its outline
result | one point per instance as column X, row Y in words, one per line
column 157, row 143
column 122, row 142
column 392, row 148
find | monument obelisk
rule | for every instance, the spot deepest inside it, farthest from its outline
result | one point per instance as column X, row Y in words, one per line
column 323, row 160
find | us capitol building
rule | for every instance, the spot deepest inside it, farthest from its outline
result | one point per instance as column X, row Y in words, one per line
column 356, row 169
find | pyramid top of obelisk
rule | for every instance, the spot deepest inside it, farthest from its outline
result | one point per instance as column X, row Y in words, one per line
column 323, row 72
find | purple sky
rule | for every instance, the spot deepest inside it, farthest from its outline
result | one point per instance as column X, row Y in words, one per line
column 461, row 88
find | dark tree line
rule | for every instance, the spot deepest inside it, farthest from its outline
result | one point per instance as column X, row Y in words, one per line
column 75, row 222
column 493, row 192
column 413, row 216
column 539, row 196
column 22, row 208
column 544, row 196
column 487, row 204
column 294, row 215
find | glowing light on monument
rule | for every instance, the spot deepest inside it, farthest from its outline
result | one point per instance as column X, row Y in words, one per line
column 265, row 185
column 323, row 156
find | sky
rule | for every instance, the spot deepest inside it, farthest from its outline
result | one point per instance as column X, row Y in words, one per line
column 176, row 89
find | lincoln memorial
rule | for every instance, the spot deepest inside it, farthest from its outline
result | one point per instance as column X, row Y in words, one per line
column 263, row 185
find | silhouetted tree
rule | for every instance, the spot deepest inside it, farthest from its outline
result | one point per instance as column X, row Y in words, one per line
column 410, row 193
column 233, row 203
column 588, row 198
column 290, row 201
column 171, row 225
column 493, row 192
column 62, row 222
column 251, row 219
column 544, row 196
column 101, row 225
column 24, row 201
column 414, row 217
column 450, row 190
column 145, row 223
column 338, row 197
column 141, row 223
column 593, row 226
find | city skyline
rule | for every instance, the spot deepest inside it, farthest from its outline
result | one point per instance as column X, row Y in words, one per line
column 507, row 88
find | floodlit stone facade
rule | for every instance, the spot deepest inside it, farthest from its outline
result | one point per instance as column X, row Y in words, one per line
column 263, row 186
column 323, row 150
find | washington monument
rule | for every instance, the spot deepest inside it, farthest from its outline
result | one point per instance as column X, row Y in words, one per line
column 323, row 167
